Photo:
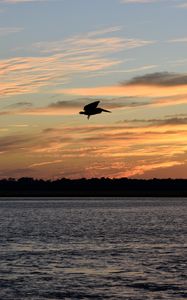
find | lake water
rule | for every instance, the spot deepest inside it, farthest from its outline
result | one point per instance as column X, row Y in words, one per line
column 100, row 248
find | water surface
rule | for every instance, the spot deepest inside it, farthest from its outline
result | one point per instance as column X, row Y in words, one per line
column 113, row 248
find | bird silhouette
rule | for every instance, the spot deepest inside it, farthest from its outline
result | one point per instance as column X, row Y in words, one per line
column 92, row 109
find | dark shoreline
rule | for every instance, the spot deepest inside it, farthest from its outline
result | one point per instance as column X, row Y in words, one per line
column 95, row 187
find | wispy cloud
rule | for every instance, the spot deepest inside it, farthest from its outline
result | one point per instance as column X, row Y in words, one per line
column 182, row 5
column 76, row 56
column 120, row 91
column 92, row 43
column 155, row 86
column 13, row 142
column 104, row 31
column 178, row 62
column 118, row 71
column 140, row 170
column 70, row 107
column 178, row 40
column 45, row 163
column 9, row 30
column 159, row 79
column 18, row 105
column 175, row 121
column 38, row 72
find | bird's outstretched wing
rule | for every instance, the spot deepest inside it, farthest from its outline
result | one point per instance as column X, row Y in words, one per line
column 91, row 105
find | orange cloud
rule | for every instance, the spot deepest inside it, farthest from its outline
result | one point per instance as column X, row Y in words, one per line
column 113, row 150
column 140, row 170
column 29, row 75
column 130, row 91
column 158, row 88
column 45, row 163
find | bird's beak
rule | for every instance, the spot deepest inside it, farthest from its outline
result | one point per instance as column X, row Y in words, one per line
column 107, row 110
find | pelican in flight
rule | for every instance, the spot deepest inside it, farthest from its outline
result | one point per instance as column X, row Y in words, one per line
column 92, row 109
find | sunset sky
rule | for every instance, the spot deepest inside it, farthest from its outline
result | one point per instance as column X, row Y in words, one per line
column 58, row 55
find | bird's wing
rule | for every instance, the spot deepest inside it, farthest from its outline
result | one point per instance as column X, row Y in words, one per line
column 91, row 105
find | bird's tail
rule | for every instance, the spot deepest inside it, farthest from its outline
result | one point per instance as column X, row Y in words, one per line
column 88, row 117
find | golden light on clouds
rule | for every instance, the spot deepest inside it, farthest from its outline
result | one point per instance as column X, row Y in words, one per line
column 108, row 150
column 29, row 75
column 128, row 90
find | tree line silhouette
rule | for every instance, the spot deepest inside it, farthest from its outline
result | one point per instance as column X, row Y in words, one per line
column 95, row 187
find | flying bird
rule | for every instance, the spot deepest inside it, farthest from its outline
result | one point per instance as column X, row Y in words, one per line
column 92, row 109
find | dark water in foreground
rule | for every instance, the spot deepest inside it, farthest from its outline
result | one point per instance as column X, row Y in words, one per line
column 93, row 249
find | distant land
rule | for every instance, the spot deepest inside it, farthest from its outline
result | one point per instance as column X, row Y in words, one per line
column 95, row 187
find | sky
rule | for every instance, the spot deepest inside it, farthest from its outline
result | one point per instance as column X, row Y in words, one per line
column 56, row 56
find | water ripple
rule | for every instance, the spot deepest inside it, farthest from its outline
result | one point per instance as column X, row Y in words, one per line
column 93, row 249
